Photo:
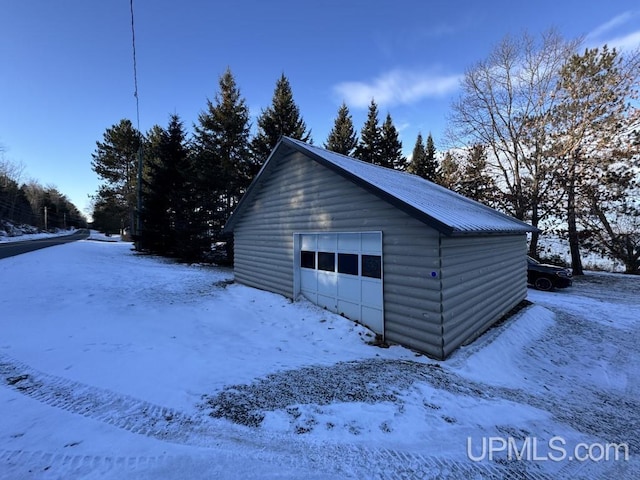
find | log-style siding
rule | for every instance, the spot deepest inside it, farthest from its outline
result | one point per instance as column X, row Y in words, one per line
column 482, row 279
column 299, row 195
column 441, row 289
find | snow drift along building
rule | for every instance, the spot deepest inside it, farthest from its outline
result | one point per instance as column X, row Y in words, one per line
column 417, row 263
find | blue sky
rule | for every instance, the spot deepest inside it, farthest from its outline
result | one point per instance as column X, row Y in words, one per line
column 66, row 70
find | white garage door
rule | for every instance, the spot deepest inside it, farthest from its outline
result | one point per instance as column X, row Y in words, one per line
column 343, row 273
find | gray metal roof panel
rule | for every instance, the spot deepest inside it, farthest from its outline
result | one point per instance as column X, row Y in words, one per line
column 444, row 210
column 454, row 213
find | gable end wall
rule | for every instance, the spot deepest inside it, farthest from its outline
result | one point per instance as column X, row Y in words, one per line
column 299, row 195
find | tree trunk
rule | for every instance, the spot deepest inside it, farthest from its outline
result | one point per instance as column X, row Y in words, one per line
column 574, row 241
column 535, row 236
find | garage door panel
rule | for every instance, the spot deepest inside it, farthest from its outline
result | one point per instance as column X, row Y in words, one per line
column 328, row 302
column 349, row 288
column 372, row 243
column 328, row 283
column 349, row 242
column 327, row 242
column 372, row 293
column 349, row 309
column 308, row 279
column 371, row 316
column 309, row 242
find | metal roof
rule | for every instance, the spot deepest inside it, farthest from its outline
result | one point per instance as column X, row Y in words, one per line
column 443, row 209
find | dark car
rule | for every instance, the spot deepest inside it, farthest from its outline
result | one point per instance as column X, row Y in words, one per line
column 547, row 277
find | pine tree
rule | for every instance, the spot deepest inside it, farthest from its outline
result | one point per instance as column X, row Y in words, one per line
column 593, row 118
column 417, row 165
column 431, row 163
column 450, row 173
column 167, row 206
column 223, row 164
column 368, row 149
column 391, row 146
column 154, row 203
column 116, row 162
column 342, row 138
column 423, row 160
column 281, row 118
column 475, row 182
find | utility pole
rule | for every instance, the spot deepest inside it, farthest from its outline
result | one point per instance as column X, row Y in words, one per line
column 45, row 218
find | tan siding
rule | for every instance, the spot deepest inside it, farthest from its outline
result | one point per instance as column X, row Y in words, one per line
column 300, row 195
column 482, row 279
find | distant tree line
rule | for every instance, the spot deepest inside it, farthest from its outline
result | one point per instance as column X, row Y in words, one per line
column 539, row 131
column 29, row 203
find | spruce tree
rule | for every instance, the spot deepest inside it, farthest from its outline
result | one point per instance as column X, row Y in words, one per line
column 369, row 147
column 450, row 172
column 223, row 163
column 115, row 161
column 167, row 206
column 417, row 165
column 281, row 118
column 431, row 161
column 342, row 138
column 475, row 182
column 391, row 146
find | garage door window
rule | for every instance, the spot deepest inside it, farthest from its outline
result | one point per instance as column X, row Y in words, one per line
column 307, row 259
column 327, row 261
column 348, row 263
column 372, row 266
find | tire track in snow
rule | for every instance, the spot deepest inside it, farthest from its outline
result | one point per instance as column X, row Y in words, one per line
column 119, row 410
column 39, row 464
column 145, row 418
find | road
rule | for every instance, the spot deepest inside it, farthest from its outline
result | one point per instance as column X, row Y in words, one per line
column 16, row 248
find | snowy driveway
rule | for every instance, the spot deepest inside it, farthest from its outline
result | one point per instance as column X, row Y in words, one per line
column 114, row 365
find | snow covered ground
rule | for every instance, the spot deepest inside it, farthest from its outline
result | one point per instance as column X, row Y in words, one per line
column 21, row 236
column 115, row 365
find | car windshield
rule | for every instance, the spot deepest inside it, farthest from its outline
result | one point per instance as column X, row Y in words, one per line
column 532, row 260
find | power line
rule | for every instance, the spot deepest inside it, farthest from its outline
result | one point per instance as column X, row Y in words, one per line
column 135, row 66
column 138, row 222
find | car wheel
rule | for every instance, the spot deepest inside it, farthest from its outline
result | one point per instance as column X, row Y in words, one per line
column 543, row 283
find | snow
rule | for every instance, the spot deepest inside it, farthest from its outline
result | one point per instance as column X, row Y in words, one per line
column 120, row 365
column 20, row 235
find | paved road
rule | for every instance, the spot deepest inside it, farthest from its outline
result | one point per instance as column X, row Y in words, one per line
column 10, row 249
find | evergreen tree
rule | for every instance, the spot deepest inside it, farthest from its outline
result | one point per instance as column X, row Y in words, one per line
column 223, row 164
column 342, row 138
column 475, row 182
column 369, row 147
column 281, row 118
column 423, row 161
column 431, row 163
column 391, row 146
column 593, row 118
column 166, row 208
column 116, row 162
column 450, row 173
column 418, row 163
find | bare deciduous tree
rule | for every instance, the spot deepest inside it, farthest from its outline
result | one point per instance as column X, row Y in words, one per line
column 505, row 105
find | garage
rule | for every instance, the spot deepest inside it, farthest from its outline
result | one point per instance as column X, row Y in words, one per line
column 342, row 272
column 418, row 264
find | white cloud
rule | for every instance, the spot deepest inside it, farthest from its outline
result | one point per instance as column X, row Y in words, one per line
column 625, row 42
column 397, row 87
column 612, row 33
column 612, row 24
